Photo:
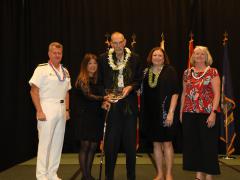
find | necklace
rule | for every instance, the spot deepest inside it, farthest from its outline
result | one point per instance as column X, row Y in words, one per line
column 57, row 74
column 199, row 77
column 153, row 83
column 121, row 65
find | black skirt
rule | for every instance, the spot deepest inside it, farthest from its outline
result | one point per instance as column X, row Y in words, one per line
column 89, row 124
column 200, row 144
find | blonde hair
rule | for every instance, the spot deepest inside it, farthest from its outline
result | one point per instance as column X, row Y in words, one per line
column 208, row 57
column 56, row 45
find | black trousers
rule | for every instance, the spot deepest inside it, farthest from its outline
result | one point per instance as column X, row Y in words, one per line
column 121, row 129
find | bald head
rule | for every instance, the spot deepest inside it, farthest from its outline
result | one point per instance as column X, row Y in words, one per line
column 117, row 35
column 118, row 42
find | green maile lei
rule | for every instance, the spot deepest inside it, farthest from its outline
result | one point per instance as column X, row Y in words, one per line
column 153, row 82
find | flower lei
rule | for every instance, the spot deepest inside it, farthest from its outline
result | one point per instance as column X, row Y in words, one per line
column 205, row 71
column 123, row 64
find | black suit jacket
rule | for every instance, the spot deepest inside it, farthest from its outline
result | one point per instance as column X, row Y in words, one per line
column 106, row 77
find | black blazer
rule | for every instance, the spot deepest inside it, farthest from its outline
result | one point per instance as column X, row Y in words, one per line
column 106, row 76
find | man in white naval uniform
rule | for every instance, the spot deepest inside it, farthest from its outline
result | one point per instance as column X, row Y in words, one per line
column 50, row 84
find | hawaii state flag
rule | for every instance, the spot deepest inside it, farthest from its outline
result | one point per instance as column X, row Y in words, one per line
column 228, row 133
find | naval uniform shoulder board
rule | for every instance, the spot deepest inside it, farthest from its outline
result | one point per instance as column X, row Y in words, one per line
column 43, row 64
column 66, row 71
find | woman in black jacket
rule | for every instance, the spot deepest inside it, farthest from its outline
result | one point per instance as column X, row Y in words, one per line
column 88, row 113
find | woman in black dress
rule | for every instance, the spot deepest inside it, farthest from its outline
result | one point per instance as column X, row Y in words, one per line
column 159, row 100
column 88, row 115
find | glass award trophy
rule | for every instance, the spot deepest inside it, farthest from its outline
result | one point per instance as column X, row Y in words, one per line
column 114, row 94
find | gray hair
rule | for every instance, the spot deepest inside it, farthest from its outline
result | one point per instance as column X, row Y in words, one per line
column 56, row 45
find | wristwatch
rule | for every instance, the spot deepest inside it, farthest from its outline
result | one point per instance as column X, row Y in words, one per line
column 215, row 111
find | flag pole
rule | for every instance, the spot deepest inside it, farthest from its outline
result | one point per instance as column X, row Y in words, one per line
column 190, row 49
column 133, row 44
column 226, row 131
column 225, row 109
column 227, row 156
column 107, row 42
column 162, row 43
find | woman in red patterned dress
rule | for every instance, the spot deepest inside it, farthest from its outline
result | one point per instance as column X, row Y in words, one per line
column 199, row 104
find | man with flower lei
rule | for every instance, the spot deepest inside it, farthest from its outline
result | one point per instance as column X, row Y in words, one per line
column 121, row 69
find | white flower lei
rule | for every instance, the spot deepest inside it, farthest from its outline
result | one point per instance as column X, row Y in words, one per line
column 123, row 64
column 205, row 71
